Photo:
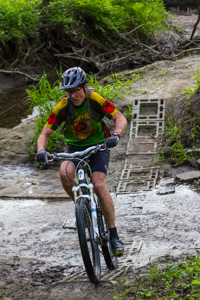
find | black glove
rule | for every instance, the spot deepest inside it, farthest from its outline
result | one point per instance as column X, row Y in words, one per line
column 41, row 156
column 111, row 141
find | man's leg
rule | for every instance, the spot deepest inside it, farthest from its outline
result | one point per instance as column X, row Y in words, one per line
column 106, row 201
column 107, row 208
column 67, row 173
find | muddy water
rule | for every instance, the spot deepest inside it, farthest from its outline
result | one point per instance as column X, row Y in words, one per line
column 161, row 224
column 33, row 229
column 150, row 225
column 14, row 107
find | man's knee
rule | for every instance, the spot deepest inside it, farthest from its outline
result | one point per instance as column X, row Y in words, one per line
column 99, row 184
column 67, row 168
column 62, row 171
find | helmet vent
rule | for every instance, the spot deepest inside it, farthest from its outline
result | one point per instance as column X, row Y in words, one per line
column 72, row 78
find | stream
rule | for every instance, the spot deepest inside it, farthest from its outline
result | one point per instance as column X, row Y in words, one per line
column 15, row 105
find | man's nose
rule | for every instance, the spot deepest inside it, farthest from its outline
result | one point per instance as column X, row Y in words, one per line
column 73, row 95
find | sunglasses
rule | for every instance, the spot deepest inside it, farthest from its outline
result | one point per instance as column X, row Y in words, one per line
column 75, row 91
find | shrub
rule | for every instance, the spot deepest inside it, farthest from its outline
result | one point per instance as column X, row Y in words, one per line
column 19, row 18
column 117, row 15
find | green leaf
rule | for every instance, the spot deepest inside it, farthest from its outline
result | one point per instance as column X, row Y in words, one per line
column 196, row 281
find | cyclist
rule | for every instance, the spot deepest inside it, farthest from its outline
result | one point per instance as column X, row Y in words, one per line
column 79, row 110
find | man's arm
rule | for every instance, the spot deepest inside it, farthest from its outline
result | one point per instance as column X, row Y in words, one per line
column 120, row 123
column 43, row 138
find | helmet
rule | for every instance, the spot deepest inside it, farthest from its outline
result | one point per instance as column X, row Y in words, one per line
column 72, row 78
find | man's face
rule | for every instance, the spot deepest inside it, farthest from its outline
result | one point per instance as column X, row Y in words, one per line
column 77, row 95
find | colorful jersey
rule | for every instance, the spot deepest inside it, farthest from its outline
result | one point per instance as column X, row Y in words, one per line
column 83, row 129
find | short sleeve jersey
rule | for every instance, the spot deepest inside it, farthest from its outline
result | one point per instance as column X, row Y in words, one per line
column 83, row 129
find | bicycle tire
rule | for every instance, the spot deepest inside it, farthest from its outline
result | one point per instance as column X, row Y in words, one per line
column 89, row 247
column 110, row 260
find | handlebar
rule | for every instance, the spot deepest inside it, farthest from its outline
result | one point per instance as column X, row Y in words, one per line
column 78, row 154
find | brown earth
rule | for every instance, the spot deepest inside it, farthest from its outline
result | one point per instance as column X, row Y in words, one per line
column 163, row 79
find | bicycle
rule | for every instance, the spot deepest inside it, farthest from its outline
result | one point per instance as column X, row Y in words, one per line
column 93, row 231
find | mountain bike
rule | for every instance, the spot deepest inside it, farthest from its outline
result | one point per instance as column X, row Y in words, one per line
column 93, row 231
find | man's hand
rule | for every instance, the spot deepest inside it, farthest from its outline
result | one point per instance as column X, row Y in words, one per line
column 41, row 156
column 111, row 141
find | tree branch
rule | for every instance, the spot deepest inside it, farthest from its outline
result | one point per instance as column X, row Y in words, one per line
column 20, row 73
column 195, row 25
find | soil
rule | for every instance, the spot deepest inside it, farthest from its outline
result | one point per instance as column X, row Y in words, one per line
column 20, row 279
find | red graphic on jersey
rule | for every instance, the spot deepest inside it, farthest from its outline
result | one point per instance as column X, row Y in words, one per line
column 81, row 126
column 52, row 118
column 108, row 107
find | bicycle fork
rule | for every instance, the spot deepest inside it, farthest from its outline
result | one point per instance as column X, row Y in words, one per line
column 92, row 202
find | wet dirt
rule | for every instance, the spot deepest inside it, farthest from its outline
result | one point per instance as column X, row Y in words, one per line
column 41, row 257
column 39, row 251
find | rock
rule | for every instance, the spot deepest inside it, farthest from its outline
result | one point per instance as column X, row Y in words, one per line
column 188, row 176
column 166, row 186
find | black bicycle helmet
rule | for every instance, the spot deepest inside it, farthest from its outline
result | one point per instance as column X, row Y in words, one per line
column 72, row 78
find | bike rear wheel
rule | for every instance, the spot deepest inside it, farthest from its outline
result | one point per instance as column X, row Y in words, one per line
column 89, row 247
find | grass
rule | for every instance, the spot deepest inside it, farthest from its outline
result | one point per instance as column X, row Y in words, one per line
column 117, row 89
column 44, row 96
column 1, row 293
column 172, row 134
column 163, row 73
column 188, row 92
column 179, row 281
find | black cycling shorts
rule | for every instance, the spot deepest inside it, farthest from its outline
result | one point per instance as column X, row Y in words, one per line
column 98, row 162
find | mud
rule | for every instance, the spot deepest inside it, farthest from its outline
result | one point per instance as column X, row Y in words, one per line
column 39, row 252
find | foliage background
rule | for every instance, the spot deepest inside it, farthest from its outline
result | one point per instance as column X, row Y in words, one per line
column 25, row 18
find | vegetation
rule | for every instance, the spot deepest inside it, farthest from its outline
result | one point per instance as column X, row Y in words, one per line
column 173, row 132
column 179, row 281
column 19, row 18
column 44, row 97
column 188, row 92
column 172, row 135
column 25, row 18
column 108, row 15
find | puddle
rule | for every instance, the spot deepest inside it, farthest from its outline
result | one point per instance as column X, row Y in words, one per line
column 162, row 224
column 32, row 229
column 24, row 182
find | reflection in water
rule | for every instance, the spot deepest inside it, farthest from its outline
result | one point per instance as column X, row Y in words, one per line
column 14, row 107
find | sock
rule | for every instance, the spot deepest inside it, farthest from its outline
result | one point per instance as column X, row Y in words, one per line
column 113, row 233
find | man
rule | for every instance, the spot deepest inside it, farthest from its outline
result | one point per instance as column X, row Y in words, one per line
column 82, row 111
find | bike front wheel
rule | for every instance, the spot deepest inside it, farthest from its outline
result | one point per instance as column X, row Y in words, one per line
column 89, row 247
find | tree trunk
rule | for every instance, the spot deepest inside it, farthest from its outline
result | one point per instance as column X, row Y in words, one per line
column 195, row 25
